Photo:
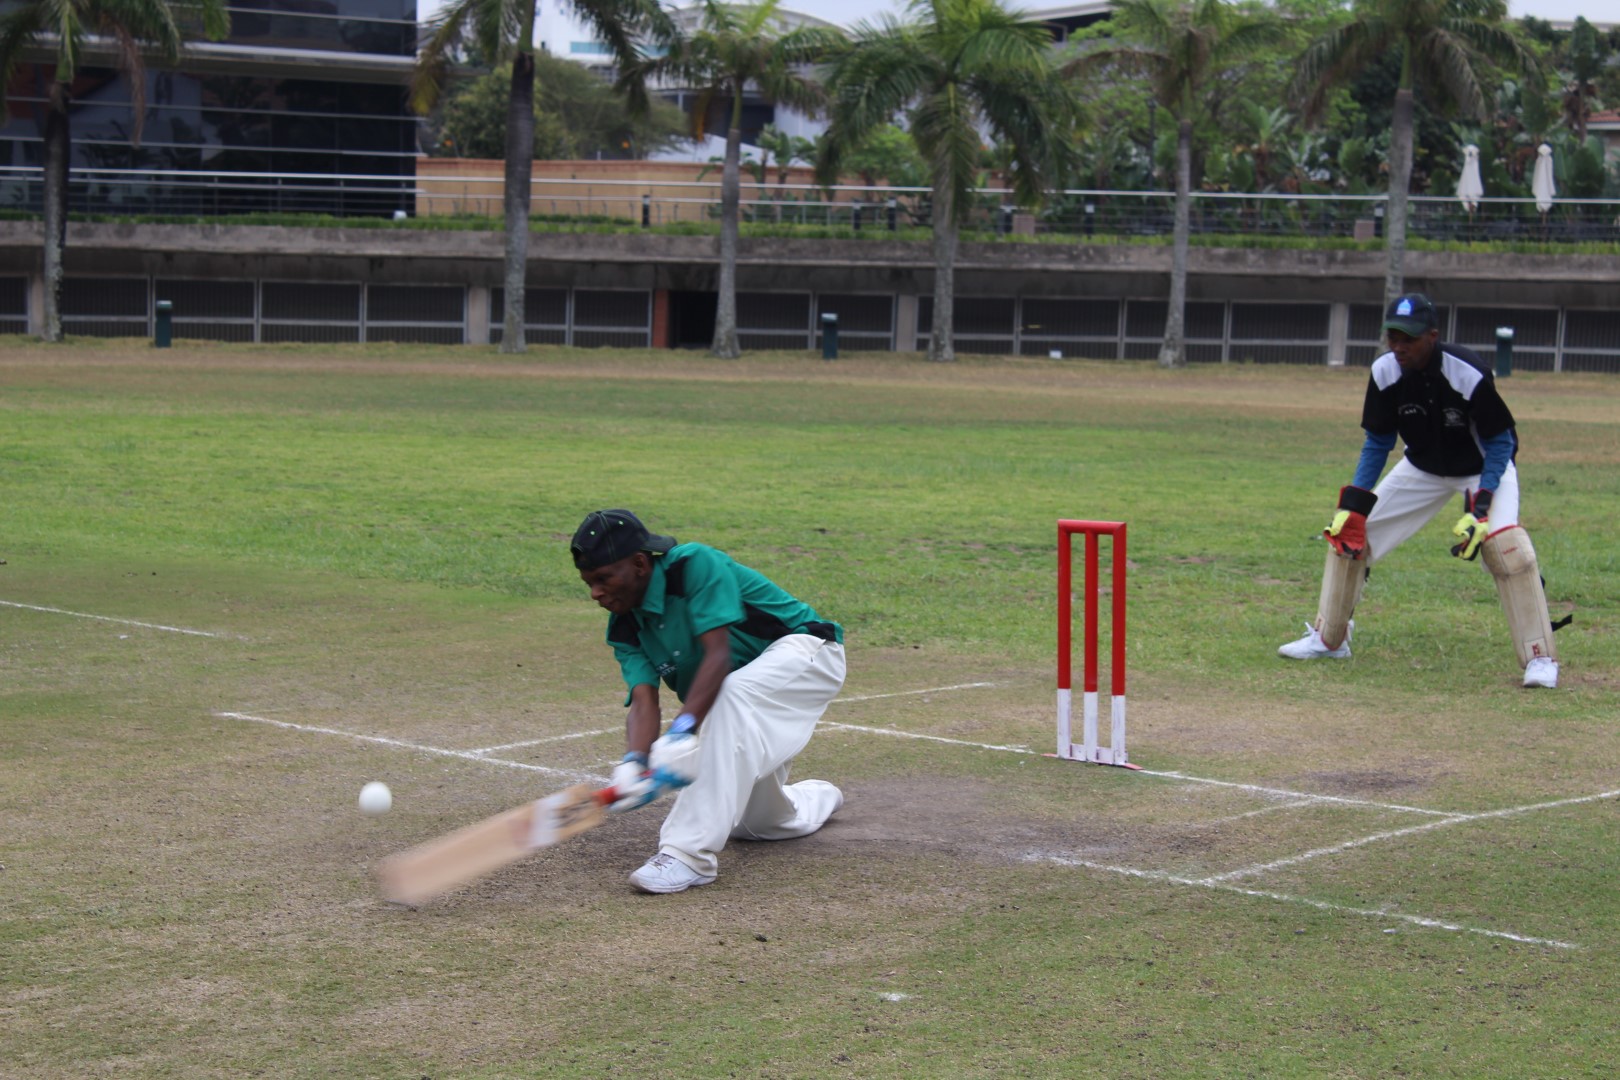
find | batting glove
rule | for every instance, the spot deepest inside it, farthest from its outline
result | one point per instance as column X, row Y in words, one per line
column 675, row 755
column 633, row 783
column 1348, row 530
column 1472, row 526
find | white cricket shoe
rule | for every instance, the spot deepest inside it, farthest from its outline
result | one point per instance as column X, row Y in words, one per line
column 1310, row 647
column 666, row 874
column 1541, row 671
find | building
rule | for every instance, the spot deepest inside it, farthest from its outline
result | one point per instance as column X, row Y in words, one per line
column 1606, row 126
column 1065, row 20
column 563, row 35
column 559, row 33
column 302, row 108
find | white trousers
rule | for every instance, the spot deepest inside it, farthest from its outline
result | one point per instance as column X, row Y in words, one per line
column 1409, row 498
column 763, row 717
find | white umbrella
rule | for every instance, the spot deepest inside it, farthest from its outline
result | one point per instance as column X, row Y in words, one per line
column 1470, row 189
column 1542, row 185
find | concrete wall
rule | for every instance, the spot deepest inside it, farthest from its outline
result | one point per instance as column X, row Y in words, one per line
column 686, row 264
column 614, row 188
column 645, row 260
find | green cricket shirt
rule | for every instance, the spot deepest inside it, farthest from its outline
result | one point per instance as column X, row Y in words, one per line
column 695, row 588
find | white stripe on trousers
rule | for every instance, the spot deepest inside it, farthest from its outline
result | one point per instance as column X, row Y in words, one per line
column 764, row 715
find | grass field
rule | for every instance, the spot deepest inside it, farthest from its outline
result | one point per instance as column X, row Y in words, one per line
column 240, row 582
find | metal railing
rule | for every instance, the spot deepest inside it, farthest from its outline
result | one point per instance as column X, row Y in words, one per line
column 1078, row 213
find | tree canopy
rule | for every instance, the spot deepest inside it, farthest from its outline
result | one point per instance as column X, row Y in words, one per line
column 577, row 115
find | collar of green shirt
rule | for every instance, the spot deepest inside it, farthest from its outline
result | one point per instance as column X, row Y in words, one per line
column 652, row 601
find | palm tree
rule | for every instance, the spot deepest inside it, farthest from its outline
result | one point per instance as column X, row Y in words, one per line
column 503, row 31
column 736, row 47
column 1442, row 45
column 962, row 69
column 130, row 29
column 1268, row 147
column 1181, row 47
column 786, row 149
column 1587, row 59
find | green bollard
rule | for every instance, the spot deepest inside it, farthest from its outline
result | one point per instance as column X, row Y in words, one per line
column 829, row 336
column 1504, row 351
column 163, row 329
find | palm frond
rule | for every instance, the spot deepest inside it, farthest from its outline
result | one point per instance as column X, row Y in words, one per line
column 433, row 62
column 64, row 21
column 1332, row 59
column 1448, row 75
column 1037, row 121
column 1143, row 20
column 623, row 25
column 1494, row 39
column 17, row 27
column 1248, row 38
column 1003, row 46
column 943, row 124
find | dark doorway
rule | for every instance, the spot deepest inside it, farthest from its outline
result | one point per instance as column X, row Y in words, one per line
column 691, row 319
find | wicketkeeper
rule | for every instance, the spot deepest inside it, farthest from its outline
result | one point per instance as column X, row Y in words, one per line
column 1442, row 402
column 753, row 669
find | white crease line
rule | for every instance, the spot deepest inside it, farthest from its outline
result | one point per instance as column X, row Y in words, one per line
column 1348, row 845
column 1274, row 807
column 929, row 738
column 109, row 618
column 911, row 693
column 1312, row 796
column 548, row 739
column 1254, row 788
column 466, row 755
column 836, row 701
column 1321, row 905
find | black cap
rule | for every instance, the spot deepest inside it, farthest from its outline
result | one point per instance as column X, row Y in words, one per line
column 1411, row 314
column 606, row 536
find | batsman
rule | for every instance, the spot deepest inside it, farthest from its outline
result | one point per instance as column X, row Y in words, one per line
column 753, row 668
column 1442, row 402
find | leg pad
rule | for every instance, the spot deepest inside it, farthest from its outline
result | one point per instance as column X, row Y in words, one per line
column 1511, row 559
column 1342, row 582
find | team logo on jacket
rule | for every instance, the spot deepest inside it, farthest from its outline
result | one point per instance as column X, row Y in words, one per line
column 1412, row 410
column 1455, row 418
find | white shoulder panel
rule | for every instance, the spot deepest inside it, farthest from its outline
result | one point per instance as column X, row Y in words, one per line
column 1463, row 376
column 1386, row 371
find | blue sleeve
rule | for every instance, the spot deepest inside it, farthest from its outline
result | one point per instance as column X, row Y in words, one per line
column 1374, row 454
column 1499, row 450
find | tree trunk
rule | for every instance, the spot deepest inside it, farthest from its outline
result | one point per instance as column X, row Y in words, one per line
column 941, row 347
column 725, row 306
column 1400, row 180
column 1173, row 353
column 58, row 150
column 519, row 171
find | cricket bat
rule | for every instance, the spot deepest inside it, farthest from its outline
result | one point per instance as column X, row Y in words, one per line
column 438, row 866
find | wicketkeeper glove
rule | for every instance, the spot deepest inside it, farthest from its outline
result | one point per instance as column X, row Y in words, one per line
column 633, row 783
column 675, row 755
column 1472, row 526
column 1348, row 530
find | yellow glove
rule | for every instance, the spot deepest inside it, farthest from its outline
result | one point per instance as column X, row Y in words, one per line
column 1473, row 526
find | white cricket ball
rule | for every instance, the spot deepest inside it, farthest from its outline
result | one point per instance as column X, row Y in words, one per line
column 375, row 798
